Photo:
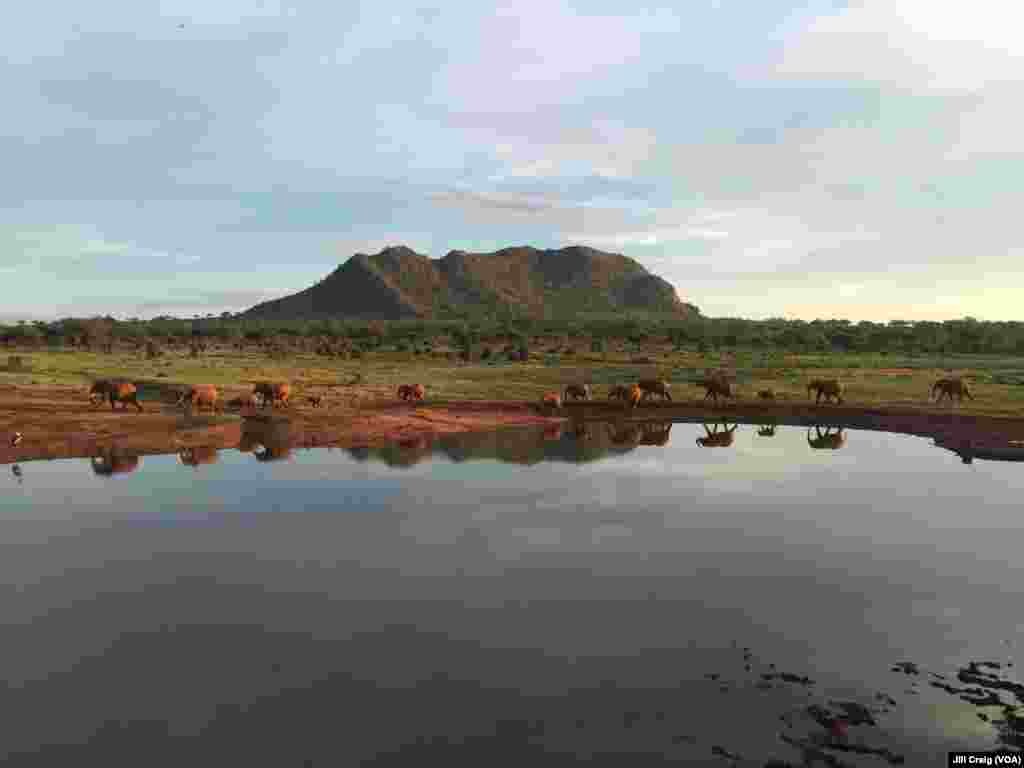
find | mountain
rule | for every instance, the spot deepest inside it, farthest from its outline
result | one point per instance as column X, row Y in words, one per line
column 399, row 283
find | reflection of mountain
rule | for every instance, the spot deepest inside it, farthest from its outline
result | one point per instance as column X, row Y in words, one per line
column 577, row 444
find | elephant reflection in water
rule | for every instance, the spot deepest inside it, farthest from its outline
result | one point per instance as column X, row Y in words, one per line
column 625, row 434
column 418, row 443
column 716, row 438
column 412, row 450
column 553, row 431
column 111, row 462
column 832, row 438
column 269, row 441
column 766, row 430
column 582, row 431
column 655, row 433
column 198, row 456
column 16, row 471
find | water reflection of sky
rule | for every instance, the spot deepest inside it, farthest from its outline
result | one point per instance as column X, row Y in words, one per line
column 833, row 562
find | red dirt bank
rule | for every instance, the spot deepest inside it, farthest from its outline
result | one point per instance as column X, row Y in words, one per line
column 57, row 422
column 57, row 425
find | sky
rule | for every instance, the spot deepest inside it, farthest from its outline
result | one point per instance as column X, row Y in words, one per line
column 772, row 159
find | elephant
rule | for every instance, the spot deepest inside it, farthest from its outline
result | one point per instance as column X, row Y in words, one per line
column 273, row 394
column 716, row 386
column 651, row 387
column 576, row 392
column 117, row 391
column 949, row 388
column 200, row 395
column 411, row 392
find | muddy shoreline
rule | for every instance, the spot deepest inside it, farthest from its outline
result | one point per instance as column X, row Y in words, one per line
column 54, row 427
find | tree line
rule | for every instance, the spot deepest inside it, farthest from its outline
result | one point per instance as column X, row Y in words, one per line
column 966, row 335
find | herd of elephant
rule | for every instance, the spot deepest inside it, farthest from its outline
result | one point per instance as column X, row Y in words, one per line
column 718, row 386
column 279, row 394
column 197, row 396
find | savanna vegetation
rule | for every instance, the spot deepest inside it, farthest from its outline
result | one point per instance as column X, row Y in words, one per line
column 894, row 363
column 631, row 330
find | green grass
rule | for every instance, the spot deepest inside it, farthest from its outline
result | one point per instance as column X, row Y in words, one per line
column 998, row 383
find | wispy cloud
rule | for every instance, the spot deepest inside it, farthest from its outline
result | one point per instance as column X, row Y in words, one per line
column 648, row 237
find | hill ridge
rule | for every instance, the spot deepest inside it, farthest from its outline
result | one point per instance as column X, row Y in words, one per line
column 399, row 283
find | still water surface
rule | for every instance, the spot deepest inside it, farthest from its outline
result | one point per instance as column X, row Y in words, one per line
column 598, row 600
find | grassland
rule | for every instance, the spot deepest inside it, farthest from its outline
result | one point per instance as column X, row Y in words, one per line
column 47, row 399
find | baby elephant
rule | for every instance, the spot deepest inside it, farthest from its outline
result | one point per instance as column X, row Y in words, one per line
column 411, row 392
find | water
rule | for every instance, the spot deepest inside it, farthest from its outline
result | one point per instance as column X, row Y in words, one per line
column 385, row 607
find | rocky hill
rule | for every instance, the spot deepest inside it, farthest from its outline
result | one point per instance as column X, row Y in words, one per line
column 399, row 283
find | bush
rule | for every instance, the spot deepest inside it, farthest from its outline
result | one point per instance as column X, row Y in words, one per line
column 16, row 363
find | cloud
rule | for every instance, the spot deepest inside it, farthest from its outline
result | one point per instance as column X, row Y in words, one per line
column 542, row 209
column 648, row 237
column 500, row 202
column 912, row 43
column 212, row 302
column 603, row 148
